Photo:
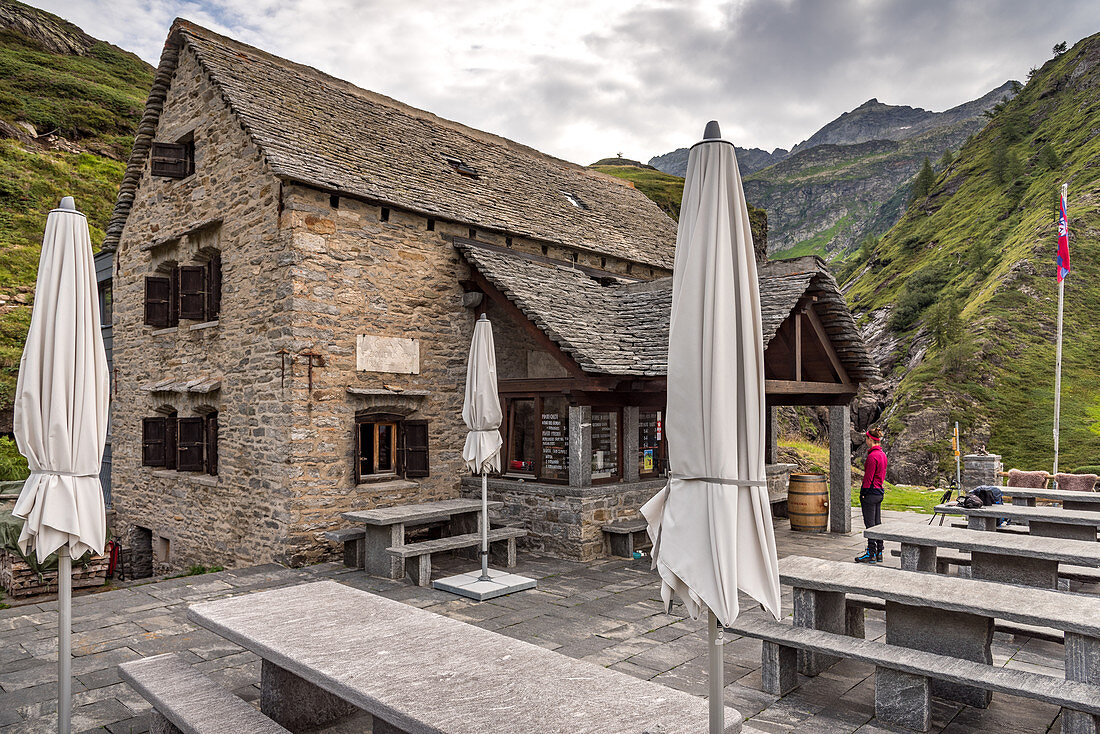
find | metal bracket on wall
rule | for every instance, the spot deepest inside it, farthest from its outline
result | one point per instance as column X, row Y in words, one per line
column 316, row 359
column 283, row 354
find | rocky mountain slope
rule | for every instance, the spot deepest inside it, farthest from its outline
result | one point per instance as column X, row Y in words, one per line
column 959, row 299
column 69, row 105
column 851, row 178
column 749, row 160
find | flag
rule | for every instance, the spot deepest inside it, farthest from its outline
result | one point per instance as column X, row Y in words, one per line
column 1061, row 261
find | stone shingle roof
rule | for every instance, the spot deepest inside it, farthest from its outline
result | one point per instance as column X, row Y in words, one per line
column 325, row 132
column 623, row 329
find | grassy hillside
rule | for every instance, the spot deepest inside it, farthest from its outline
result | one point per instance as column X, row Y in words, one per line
column 667, row 191
column 69, row 105
column 962, row 294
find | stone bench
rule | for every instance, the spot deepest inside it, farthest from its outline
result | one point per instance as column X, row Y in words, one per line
column 945, row 559
column 418, row 556
column 903, row 692
column 1049, row 522
column 352, row 540
column 624, row 536
column 186, row 701
column 324, row 645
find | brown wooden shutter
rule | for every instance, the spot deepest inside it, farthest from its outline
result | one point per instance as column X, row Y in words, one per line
column 158, row 301
column 192, row 292
column 172, row 160
column 358, row 458
column 152, row 441
column 214, row 287
column 170, row 442
column 212, row 444
column 174, row 299
column 414, row 442
column 191, row 437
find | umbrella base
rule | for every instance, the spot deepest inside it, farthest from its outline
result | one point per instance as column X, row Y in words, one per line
column 470, row 585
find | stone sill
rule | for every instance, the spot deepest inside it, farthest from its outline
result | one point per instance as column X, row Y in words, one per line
column 204, row 325
column 204, row 479
column 166, row 330
column 505, row 484
column 385, row 484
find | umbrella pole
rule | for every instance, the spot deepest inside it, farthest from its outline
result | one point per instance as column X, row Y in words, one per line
column 484, row 527
column 64, row 641
column 715, row 699
column 715, row 659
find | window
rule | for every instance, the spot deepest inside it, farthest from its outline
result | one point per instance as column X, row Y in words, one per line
column 605, row 445
column 106, row 303
column 174, row 160
column 554, row 437
column 574, row 199
column 651, row 444
column 523, row 440
column 461, row 166
column 184, row 444
column 192, row 292
column 388, row 445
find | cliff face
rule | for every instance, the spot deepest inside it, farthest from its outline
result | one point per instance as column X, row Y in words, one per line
column 959, row 299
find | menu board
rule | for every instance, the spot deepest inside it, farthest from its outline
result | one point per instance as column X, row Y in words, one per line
column 649, row 441
column 555, row 444
column 605, row 444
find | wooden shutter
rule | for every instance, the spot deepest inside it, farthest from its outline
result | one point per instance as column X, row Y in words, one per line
column 174, row 299
column 212, row 444
column 152, row 441
column 172, row 160
column 192, row 292
column 170, row 442
column 414, row 444
column 214, row 287
column 191, row 437
column 358, row 458
column 158, row 301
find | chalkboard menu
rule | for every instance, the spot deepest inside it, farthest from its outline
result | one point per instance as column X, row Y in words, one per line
column 555, row 440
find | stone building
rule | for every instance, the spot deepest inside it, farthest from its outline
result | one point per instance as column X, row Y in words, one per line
column 298, row 267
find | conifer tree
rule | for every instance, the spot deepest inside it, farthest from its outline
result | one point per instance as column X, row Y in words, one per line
column 1049, row 157
column 922, row 184
column 946, row 160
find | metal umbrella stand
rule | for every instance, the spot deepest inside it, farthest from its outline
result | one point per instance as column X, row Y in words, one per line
column 711, row 525
column 60, row 419
column 482, row 415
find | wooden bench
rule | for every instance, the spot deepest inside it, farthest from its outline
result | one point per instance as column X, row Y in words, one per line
column 1050, row 522
column 903, row 676
column 184, row 700
column 945, row 615
column 417, row 557
column 352, row 540
column 624, row 536
column 329, row 650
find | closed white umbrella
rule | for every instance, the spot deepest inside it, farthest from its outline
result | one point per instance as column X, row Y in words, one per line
column 711, row 525
column 61, row 404
column 482, row 415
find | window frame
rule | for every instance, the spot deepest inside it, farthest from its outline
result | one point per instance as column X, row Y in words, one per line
column 172, row 160
column 399, row 444
column 618, row 475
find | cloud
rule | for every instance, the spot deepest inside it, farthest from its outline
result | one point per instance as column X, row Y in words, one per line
column 585, row 80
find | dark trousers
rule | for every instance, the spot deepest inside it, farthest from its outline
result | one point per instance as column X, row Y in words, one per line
column 871, row 504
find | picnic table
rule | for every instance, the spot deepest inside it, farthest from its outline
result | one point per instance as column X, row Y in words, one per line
column 1052, row 522
column 330, row 651
column 1088, row 501
column 385, row 528
column 947, row 615
column 1031, row 560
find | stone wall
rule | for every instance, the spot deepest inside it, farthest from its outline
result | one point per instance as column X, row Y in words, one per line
column 237, row 516
column 566, row 521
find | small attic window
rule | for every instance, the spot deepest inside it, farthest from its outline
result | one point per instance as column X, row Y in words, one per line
column 574, row 199
column 461, row 166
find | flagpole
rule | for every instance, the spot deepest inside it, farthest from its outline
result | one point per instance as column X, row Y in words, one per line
column 1058, row 358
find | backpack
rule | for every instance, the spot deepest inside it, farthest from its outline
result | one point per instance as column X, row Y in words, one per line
column 971, row 501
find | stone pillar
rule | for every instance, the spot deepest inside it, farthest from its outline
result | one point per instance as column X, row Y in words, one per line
column 840, row 469
column 630, row 444
column 771, row 435
column 580, row 445
column 981, row 469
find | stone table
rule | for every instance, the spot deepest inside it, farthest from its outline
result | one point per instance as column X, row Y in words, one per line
column 1051, row 522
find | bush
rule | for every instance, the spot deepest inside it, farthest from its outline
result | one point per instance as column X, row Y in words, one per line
column 957, row 358
column 13, row 465
column 1049, row 158
column 943, row 322
column 920, row 291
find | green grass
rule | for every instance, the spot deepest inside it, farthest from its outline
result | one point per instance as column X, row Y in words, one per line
column 995, row 245
column 905, row 498
column 197, row 571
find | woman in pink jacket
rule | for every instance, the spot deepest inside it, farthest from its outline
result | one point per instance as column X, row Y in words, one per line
column 872, row 492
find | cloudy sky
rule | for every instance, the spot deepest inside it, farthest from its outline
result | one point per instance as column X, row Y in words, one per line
column 586, row 79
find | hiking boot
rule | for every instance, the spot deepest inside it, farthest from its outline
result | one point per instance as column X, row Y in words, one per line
column 878, row 557
column 867, row 557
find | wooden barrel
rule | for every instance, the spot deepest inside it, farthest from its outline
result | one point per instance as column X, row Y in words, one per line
column 808, row 503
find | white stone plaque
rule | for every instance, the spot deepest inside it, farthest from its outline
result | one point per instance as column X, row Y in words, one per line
column 387, row 354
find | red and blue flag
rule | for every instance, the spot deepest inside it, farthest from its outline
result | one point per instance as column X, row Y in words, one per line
column 1061, row 261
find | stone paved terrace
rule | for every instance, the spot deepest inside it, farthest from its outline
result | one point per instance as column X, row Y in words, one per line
column 608, row 612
